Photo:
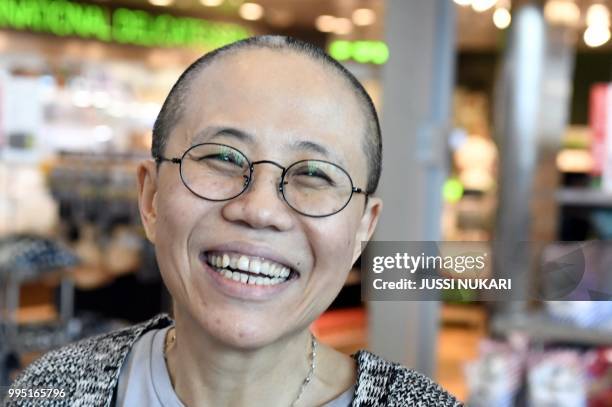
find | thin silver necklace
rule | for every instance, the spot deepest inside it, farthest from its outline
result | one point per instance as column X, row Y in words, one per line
column 307, row 379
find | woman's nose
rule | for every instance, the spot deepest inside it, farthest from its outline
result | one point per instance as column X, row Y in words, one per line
column 261, row 206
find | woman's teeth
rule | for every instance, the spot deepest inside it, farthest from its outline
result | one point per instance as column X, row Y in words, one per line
column 248, row 270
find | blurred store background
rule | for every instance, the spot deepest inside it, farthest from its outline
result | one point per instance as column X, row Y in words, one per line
column 497, row 125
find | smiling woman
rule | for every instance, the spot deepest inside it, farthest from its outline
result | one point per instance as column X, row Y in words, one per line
column 266, row 158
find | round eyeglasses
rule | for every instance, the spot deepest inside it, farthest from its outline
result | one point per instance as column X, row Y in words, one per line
column 218, row 172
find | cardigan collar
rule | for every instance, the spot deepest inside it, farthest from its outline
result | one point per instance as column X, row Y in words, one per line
column 369, row 374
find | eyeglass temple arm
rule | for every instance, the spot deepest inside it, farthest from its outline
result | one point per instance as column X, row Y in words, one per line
column 171, row 160
column 360, row 191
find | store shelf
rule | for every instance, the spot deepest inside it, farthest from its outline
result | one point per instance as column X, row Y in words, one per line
column 584, row 197
column 541, row 328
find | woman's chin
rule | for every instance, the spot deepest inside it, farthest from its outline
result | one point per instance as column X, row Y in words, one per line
column 244, row 331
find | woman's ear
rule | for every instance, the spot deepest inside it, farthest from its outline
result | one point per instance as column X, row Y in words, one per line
column 368, row 223
column 147, row 193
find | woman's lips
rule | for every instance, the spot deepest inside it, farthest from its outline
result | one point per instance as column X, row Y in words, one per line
column 251, row 250
column 244, row 266
column 259, row 288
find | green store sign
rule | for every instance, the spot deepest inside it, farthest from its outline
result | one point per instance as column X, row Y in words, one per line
column 364, row 52
column 121, row 25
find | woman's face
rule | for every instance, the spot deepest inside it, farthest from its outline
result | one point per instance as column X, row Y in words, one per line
column 290, row 109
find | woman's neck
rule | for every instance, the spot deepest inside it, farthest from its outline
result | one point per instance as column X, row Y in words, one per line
column 206, row 372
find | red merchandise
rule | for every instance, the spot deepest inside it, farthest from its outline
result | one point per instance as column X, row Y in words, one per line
column 598, row 123
column 599, row 370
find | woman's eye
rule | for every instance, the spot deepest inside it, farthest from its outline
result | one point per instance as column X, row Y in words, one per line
column 314, row 173
column 230, row 158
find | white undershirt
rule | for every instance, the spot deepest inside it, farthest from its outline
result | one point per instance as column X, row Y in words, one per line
column 144, row 378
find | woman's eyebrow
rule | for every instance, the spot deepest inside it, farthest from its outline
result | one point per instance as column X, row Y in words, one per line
column 311, row 146
column 209, row 133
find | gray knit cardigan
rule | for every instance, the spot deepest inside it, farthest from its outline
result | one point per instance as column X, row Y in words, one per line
column 88, row 372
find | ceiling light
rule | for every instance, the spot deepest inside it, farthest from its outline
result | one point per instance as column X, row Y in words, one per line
column 562, row 12
column 463, row 3
column 483, row 5
column 364, row 16
column 162, row 3
column 596, row 35
column 502, row 18
column 342, row 26
column 598, row 14
column 575, row 160
column 211, row 3
column 325, row 23
column 251, row 11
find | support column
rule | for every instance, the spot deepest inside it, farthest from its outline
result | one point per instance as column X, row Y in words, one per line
column 416, row 118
